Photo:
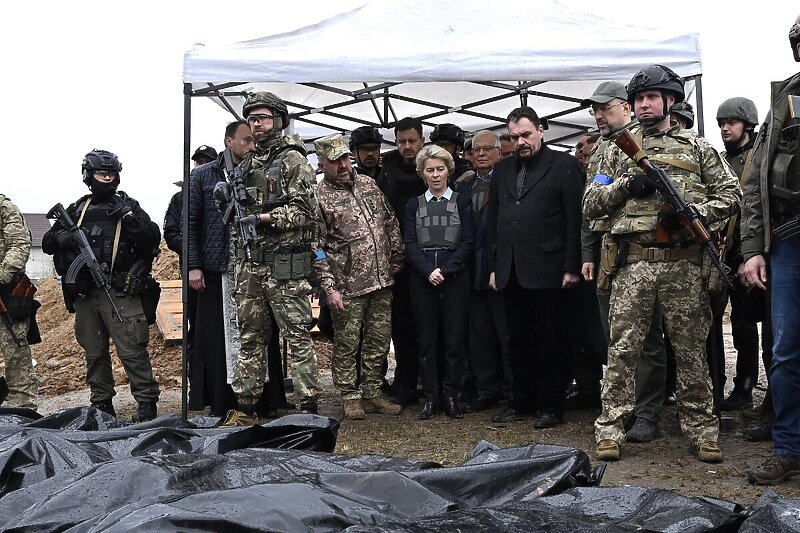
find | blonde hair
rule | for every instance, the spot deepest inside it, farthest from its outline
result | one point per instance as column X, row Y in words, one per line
column 433, row 151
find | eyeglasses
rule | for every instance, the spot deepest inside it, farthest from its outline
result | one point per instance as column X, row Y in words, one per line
column 252, row 119
column 106, row 173
column 603, row 109
column 483, row 149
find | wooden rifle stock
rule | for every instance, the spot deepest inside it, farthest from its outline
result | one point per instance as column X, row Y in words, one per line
column 687, row 214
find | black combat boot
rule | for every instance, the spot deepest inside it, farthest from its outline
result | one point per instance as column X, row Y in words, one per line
column 146, row 411
column 106, row 406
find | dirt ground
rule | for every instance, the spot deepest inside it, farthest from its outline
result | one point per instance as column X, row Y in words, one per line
column 663, row 463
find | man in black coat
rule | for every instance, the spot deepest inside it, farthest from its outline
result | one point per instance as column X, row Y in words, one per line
column 534, row 242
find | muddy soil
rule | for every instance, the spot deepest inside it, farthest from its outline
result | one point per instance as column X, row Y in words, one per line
column 663, row 463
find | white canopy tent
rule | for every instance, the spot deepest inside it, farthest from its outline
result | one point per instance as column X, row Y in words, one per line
column 443, row 61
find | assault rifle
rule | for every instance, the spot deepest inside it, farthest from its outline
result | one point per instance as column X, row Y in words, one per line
column 687, row 214
column 8, row 322
column 85, row 259
column 245, row 233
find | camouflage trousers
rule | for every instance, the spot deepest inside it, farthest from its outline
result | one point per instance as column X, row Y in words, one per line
column 21, row 379
column 373, row 312
column 94, row 324
column 257, row 295
column 683, row 297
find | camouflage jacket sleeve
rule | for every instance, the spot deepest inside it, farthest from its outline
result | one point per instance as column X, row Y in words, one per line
column 322, row 269
column 301, row 209
column 723, row 192
column 752, row 219
column 600, row 199
column 16, row 243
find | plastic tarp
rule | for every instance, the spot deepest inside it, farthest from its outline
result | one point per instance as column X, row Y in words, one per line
column 81, row 470
column 441, row 62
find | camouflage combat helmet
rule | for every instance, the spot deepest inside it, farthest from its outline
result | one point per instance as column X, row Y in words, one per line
column 365, row 135
column 738, row 108
column 794, row 38
column 99, row 160
column 449, row 133
column 685, row 111
column 270, row 101
column 656, row 77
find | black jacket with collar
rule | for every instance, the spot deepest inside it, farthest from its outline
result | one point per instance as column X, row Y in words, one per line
column 207, row 234
column 536, row 233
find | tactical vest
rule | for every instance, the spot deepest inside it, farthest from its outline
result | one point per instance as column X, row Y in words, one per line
column 438, row 224
column 603, row 224
column 785, row 165
column 102, row 233
column 264, row 183
column 677, row 154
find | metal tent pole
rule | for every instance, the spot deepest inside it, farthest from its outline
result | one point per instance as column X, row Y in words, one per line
column 187, row 131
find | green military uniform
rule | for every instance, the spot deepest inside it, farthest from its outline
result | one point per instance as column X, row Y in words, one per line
column 361, row 239
column 670, row 276
column 15, row 245
column 280, row 180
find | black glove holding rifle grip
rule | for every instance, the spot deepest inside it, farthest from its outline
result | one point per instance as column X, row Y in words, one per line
column 641, row 185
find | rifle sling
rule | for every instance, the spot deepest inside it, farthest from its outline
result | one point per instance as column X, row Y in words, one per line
column 742, row 178
column 677, row 163
column 117, row 233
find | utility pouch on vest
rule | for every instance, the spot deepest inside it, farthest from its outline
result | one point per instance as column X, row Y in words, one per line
column 282, row 268
column 608, row 267
column 301, row 261
column 712, row 276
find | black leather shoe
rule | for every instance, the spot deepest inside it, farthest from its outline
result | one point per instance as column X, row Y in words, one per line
column 547, row 420
column 759, row 433
column 481, row 403
column 451, row 408
column 429, row 411
column 508, row 415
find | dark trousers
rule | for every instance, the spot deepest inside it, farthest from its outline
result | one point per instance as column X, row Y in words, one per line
column 715, row 348
column 744, row 328
column 588, row 347
column 488, row 342
column 208, row 372
column 536, row 323
column 441, row 308
column 273, row 395
column 404, row 335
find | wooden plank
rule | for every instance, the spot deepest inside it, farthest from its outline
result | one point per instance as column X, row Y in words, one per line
column 169, row 314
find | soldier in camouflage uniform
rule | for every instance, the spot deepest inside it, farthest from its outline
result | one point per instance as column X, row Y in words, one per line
column 361, row 239
column 647, row 271
column 15, row 246
column 274, row 278
column 612, row 113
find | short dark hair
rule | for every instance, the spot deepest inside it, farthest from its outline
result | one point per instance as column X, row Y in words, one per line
column 524, row 112
column 230, row 129
column 408, row 123
column 505, row 137
column 591, row 138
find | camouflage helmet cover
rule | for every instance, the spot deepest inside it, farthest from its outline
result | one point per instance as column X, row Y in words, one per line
column 268, row 100
column 738, row 108
column 99, row 160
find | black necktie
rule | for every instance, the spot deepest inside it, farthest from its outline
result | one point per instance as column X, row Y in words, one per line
column 523, row 172
column 434, row 198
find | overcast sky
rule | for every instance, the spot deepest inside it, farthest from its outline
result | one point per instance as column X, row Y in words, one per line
column 84, row 74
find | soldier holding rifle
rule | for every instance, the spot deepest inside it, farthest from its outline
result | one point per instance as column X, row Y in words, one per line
column 652, row 256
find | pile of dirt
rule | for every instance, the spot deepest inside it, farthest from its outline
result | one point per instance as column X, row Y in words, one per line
column 61, row 366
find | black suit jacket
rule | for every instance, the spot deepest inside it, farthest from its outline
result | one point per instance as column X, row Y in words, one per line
column 538, row 232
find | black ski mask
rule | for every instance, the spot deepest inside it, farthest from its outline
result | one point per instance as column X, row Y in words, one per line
column 102, row 192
